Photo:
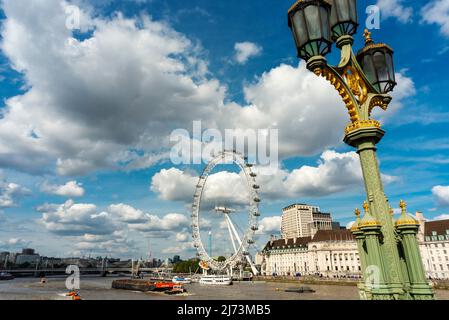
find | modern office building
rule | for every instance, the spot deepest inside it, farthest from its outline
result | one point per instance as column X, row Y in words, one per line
column 302, row 220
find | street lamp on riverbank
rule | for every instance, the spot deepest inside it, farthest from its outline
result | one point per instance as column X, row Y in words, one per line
column 388, row 250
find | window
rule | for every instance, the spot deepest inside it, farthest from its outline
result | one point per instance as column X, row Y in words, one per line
column 434, row 233
column 427, row 238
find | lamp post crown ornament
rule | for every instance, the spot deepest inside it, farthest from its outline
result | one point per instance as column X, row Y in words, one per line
column 366, row 207
column 367, row 35
column 403, row 206
column 357, row 213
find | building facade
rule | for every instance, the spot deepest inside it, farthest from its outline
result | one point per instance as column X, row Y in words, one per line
column 301, row 220
column 329, row 253
column 333, row 253
column 433, row 240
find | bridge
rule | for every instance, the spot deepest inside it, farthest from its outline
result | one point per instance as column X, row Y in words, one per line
column 100, row 270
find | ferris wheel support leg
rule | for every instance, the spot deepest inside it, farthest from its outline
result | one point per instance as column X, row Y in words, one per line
column 253, row 267
column 230, row 232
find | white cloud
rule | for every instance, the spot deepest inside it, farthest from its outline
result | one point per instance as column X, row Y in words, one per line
column 110, row 231
column 182, row 237
column 72, row 219
column 181, row 248
column 441, row 195
column 127, row 213
column 335, row 172
column 70, row 189
column 437, row 12
column 442, row 217
column 169, row 222
column 246, row 50
column 270, row 225
column 396, row 9
column 14, row 244
column 79, row 114
column 10, row 193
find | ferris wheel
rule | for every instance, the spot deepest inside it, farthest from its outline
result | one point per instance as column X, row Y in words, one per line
column 240, row 243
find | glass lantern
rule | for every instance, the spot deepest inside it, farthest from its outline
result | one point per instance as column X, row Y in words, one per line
column 309, row 22
column 343, row 18
column 376, row 61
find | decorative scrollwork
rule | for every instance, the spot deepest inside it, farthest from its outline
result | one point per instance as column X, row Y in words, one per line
column 342, row 89
column 362, row 124
column 355, row 83
column 378, row 101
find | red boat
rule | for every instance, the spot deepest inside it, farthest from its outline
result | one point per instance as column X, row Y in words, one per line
column 163, row 286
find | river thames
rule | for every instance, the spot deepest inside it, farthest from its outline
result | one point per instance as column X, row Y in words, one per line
column 98, row 288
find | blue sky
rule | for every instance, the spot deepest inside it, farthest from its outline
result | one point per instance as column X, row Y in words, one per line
column 77, row 104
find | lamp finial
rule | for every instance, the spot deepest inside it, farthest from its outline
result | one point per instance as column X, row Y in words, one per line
column 403, row 206
column 367, row 35
column 366, row 206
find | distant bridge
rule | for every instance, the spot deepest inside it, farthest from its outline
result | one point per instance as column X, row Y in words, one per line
column 100, row 270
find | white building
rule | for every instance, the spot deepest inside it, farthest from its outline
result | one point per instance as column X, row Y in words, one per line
column 333, row 253
column 434, row 246
column 330, row 253
column 301, row 220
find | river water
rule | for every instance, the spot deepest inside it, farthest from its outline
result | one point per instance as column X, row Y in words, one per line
column 97, row 288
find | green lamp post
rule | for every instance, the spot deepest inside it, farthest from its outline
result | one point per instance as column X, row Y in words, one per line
column 363, row 81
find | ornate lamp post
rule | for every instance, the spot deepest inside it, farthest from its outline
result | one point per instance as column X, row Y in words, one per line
column 388, row 251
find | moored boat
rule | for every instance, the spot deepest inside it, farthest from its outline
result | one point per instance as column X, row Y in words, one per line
column 216, row 280
column 181, row 280
column 6, row 276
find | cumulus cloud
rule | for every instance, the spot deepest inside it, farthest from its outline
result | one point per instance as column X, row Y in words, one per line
column 127, row 213
column 176, row 185
column 270, row 225
column 335, row 172
column 169, row 222
column 396, row 9
column 112, row 230
column 182, row 237
column 441, row 195
column 10, row 193
column 75, row 219
column 70, row 189
column 14, row 244
column 437, row 12
column 181, row 248
column 78, row 114
column 246, row 50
